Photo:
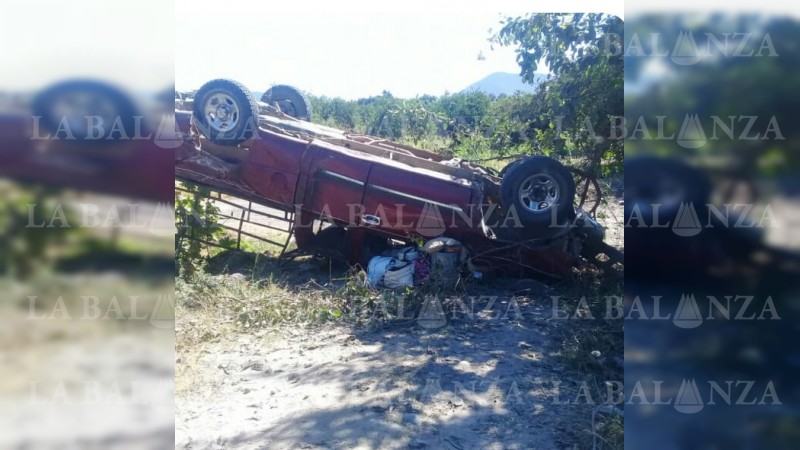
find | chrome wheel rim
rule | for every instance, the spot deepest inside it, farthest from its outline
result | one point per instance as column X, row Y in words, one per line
column 221, row 111
column 539, row 193
column 285, row 106
column 81, row 109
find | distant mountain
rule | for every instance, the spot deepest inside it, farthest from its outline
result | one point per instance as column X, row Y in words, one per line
column 505, row 83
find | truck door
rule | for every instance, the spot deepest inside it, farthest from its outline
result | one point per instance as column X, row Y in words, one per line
column 334, row 183
column 273, row 167
column 409, row 202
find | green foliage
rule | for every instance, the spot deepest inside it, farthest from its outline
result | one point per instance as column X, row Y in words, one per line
column 731, row 88
column 572, row 114
column 196, row 221
column 565, row 42
column 575, row 110
column 32, row 222
column 471, row 125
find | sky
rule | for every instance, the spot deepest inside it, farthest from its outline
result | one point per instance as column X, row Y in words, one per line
column 333, row 53
column 125, row 43
column 347, row 48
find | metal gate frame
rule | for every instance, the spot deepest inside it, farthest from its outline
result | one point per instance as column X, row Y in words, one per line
column 246, row 216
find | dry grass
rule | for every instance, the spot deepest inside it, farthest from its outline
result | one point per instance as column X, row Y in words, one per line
column 591, row 332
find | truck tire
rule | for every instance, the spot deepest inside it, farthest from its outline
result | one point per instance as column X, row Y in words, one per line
column 540, row 190
column 508, row 167
column 664, row 183
column 74, row 102
column 225, row 112
column 290, row 100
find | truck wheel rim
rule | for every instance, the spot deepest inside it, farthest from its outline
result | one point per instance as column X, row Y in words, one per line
column 221, row 111
column 77, row 108
column 287, row 108
column 538, row 193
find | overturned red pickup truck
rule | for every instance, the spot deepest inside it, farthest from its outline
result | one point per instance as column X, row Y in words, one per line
column 373, row 190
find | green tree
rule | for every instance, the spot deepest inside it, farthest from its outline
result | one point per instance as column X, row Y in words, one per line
column 575, row 111
column 196, row 222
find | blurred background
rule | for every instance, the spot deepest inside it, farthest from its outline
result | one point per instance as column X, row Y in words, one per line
column 86, row 225
column 712, row 202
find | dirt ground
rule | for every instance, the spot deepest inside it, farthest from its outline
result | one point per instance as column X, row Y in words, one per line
column 76, row 382
column 488, row 376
